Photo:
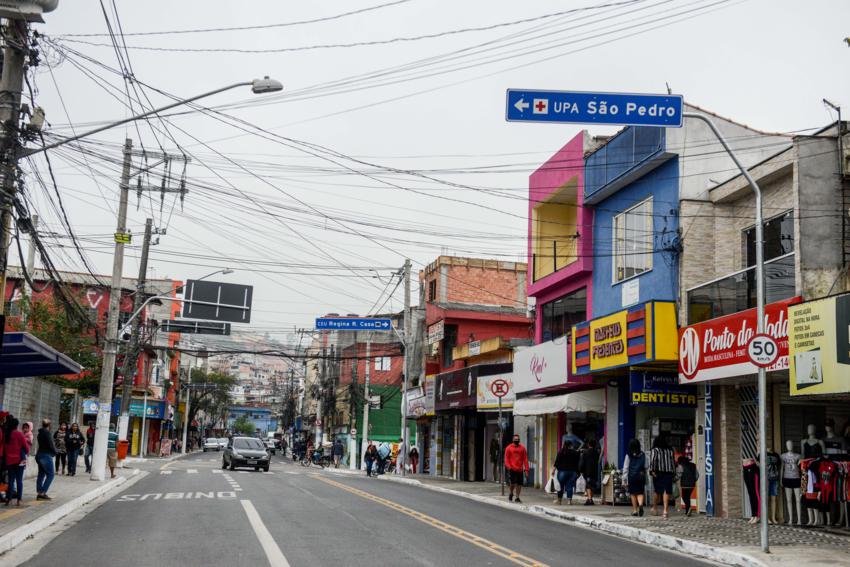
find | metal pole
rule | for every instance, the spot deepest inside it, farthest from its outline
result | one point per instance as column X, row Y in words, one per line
column 186, row 410
column 762, row 372
column 130, row 359
column 408, row 333
column 98, row 469
column 30, row 266
column 11, row 84
column 500, row 467
column 142, row 441
column 365, row 442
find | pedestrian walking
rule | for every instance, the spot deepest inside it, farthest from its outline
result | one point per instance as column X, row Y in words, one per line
column 112, row 450
column 516, row 465
column 74, row 441
column 494, row 458
column 566, row 467
column 662, row 468
column 414, row 459
column 634, row 471
column 370, row 457
column 400, row 456
column 3, row 473
column 89, row 446
column 26, row 429
column 384, row 452
column 688, row 475
column 44, row 458
column 16, row 451
column 61, row 450
column 589, row 468
column 338, row 452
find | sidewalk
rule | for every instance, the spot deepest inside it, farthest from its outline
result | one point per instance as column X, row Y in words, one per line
column 68, row 494
column 724, row 540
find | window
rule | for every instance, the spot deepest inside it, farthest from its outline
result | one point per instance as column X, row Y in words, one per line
column 778, row 239
column 633, row 241
column 432, row 290
column 562, row 313
column 382, row 363
column 449, row 342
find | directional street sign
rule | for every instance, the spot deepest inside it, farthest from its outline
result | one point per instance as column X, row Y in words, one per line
column 354, row 324
column 216, row 301
column 574, row 107
column 195, row 327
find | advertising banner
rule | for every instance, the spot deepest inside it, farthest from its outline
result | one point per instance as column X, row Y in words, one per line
column 420, row 400
column 436, row 332
column 820, row 346
column 487, row 400
column 653, row 388
column 541, row 366
column 90, row 406
column 717, row 348
column 155, row 409
column 608, row 341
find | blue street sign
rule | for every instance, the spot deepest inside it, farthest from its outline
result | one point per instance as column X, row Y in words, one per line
column 594, row 108
column 354, row 324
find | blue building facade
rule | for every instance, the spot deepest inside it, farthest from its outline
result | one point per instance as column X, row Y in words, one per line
column 260, row 417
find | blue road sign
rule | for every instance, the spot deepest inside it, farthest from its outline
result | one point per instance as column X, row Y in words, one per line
column 594, row 108
column 354, row 324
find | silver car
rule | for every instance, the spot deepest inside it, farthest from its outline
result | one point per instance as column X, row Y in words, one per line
column 211, row 444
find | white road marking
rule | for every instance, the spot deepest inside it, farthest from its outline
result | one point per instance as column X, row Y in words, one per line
column 164, row 472
column 273, row 552
column 192, row 471
column 267, row 472
column 216, row 471
column 243, row 472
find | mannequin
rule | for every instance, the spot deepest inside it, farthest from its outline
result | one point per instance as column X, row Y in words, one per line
column 791, row 482
column 812, row 446
column 833, row 444
column 773, row 470
column 751, row 476
column 570, row 436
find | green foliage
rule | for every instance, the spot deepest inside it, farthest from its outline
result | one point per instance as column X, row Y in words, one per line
column 243, row 426
column 47, row 320
column 210, row 392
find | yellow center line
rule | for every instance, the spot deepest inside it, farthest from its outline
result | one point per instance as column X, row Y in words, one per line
column 459, row 533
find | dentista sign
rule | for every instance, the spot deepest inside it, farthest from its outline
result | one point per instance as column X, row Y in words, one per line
column 718, row 348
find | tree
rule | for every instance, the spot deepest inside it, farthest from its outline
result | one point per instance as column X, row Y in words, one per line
column 209, row 392
column 243, row 426
column 48, row 320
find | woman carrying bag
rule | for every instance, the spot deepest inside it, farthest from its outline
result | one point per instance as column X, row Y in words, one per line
column 564, row 471
column 634, row 472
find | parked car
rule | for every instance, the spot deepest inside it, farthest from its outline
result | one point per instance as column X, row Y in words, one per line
column 271, row 445
column 211, row 444
column 245, row 452
column 222, row 443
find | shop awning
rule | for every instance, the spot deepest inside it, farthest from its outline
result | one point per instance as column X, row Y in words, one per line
column 574, row 402
column 25, row 355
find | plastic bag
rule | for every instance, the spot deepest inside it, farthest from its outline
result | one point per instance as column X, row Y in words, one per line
column 581, row 484
column 552, row 486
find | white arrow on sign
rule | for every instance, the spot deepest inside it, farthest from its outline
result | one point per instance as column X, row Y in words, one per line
column 521, row 105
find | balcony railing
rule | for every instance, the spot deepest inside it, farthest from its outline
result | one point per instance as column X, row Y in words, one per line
column 737, row 292
column 623, row 153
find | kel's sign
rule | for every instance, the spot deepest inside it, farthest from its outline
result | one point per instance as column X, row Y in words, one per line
column 820, row 346
column 718, row 348
column 576, row 107
column 651, row 388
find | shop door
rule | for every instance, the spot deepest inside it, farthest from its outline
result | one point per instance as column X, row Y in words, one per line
column 749, row 433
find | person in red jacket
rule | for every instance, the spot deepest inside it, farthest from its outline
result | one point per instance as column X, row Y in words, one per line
column 516, row 463
column 17, row 448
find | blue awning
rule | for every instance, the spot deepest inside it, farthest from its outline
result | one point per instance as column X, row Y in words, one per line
column 25, row 355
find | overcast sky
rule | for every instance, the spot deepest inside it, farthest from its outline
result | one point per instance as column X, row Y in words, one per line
column 304, row 225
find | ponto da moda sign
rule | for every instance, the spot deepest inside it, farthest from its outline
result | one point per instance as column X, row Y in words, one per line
column 717, row 348
column 820, row 346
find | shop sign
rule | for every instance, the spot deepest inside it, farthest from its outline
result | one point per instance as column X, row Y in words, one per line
column 718, row 348
column 474, row 348
column 420, row 401
column 487, row 399
column 436, row 332
column 708, row 430
column 155, row 409
column 819, row 333
column 90, row 406
column 541, row 366
column 643, row 333
column 458, row 389
column 652, row 388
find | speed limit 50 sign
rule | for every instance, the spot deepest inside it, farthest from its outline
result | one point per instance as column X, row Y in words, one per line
column 763, row 350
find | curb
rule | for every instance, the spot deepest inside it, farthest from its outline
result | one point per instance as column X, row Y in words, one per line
column 672, row 543
column 27, row 531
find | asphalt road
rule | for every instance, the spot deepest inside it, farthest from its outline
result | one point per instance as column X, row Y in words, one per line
column 193, row 513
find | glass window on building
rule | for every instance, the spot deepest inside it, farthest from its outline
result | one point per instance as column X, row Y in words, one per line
column 382, row 363
column 633, row 241
column 778, row 239
column 449, row 342
column 561, row 314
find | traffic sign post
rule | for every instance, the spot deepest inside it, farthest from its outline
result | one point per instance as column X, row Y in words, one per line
column 500, row 389
column 354, row 324
column 576, row 107
column 763, row 350
column 573, row 107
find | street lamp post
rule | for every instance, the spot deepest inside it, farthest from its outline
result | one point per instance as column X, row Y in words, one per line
column 258, row 86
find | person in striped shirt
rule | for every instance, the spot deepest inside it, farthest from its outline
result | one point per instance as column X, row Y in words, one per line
column 662, row 468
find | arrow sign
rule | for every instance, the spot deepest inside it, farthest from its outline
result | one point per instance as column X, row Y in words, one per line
column 354, row 324
column 576, row 107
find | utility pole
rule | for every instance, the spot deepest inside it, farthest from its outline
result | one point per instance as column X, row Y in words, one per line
column 365, row 442
column 323, row 369
column 186, row 410
column 15, row 43
column 408, row 334
column 352, row 411
column 111, row 347
column 130, row 359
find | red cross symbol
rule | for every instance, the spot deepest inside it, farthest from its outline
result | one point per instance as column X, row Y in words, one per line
column 540, row 105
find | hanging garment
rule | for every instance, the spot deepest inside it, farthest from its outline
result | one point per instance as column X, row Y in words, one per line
column 751, row 482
